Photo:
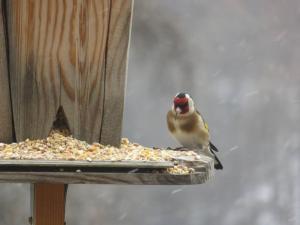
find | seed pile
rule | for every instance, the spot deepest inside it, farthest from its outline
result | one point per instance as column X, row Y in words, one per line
column 59, row 146
column 180, row 169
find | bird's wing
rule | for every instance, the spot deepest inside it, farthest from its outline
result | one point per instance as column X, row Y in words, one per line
column 211, row 145
column 218, row 164
column 205, row 124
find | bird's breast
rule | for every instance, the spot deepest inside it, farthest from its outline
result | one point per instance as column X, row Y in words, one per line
column 186, row 139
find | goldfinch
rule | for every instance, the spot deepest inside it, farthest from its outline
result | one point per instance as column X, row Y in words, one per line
column 188, row 127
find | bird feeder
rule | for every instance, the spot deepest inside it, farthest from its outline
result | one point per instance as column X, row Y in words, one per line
column 70, row 58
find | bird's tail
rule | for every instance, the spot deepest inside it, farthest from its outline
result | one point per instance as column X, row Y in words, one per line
column 218, row 164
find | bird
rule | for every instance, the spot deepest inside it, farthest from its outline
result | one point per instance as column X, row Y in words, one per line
column 188, row 127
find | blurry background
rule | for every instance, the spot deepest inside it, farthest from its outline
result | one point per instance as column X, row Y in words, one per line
column 240, row 61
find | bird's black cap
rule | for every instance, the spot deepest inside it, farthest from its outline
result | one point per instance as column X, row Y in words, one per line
column 180, row 95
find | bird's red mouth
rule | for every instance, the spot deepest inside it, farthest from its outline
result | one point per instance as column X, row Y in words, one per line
column 182, row 104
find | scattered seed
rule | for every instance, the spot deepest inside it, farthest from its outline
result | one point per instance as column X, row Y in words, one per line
column 59, row 146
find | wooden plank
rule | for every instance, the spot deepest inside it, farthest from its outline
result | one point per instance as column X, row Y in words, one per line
column 104, row 178
column 71, row 54
column 82, row 65
column 49, row 204
column 115, row 70
column 106, row 164
column 34, row 32
column 6, row 125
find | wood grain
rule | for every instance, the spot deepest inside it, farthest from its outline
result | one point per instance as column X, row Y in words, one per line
column 103, row 178
column 34, row 43
column 49, row 204
column 82, row 65
column 71, row 54
column 115, row 70
column 6, row 125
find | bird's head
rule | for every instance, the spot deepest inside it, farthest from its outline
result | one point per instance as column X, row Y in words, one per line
column 183, row 104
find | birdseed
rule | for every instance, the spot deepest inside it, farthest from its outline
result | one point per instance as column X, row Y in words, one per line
column 61, row 146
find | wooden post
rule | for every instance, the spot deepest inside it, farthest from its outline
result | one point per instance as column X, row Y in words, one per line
column 48, row 204
column 73, row 55
column 6, row 125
